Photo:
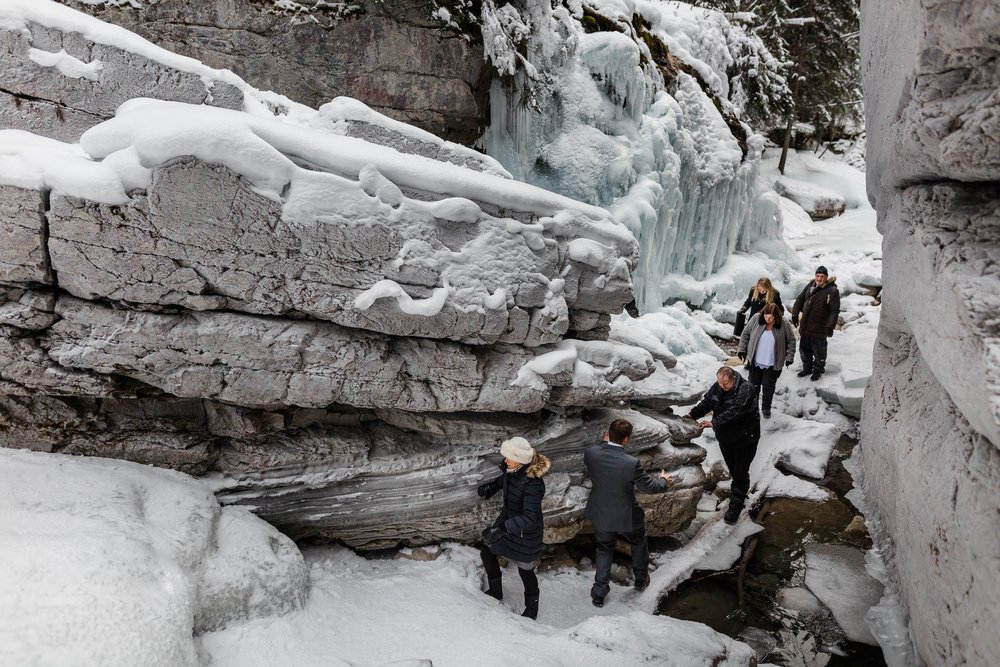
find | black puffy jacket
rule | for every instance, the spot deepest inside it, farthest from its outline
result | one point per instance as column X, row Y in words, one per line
column 735, row 417
column 521, row 516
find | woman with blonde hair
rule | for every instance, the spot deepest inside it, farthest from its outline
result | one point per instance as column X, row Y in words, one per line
column 761, row 294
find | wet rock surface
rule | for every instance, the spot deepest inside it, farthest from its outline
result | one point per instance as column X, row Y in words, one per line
column 780, row 616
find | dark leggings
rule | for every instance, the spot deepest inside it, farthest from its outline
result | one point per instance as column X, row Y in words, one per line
column 766, row 379
column 493, row 571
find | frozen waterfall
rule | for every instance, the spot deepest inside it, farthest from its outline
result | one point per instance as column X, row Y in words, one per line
column 596, row 119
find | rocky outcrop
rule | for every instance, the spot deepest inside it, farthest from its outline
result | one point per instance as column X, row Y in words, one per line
column 931, row 422
column 332, row 314
column 398, row 57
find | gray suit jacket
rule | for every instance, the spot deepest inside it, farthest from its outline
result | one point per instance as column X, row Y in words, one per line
column 616, row 475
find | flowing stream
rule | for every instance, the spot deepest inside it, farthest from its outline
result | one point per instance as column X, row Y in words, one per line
column 781, row 618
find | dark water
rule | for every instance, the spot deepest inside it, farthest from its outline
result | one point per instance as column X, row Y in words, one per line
column 782, row 636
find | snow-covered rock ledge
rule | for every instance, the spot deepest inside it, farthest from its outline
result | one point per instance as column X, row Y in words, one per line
column 931, row 422
column 327, row 309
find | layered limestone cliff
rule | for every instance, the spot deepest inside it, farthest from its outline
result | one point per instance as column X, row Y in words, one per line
column 402, row 58
column 334, row 316
column 931, row 418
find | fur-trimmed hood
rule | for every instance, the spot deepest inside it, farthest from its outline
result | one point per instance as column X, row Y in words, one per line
column 539, row 467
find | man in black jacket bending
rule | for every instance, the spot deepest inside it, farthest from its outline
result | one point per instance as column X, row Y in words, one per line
column 612, row 507
column 732, row 400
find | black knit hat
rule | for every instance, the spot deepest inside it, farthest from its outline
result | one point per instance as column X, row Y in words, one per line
column 823, row 270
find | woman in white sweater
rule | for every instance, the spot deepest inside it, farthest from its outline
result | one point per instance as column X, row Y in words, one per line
column 766, row 346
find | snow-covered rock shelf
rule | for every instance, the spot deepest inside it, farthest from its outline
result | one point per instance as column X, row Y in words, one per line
column 334, row 313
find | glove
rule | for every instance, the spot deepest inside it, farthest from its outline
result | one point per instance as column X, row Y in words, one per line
column 484, row 489
column 789, row 361
column 795, row 320
column 492, row 535
column 742, row 356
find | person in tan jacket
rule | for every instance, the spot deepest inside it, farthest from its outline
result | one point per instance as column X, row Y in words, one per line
column 766, row 346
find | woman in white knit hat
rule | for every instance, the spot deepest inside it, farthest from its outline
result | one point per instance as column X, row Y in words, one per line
column 517, row 533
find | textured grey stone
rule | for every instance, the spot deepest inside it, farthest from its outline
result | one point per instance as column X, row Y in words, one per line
column 203, row 239
column 23, row 258
column 270, row 363
column 42, row 100
column 932, row 92
column 930, row 421
column 393, row 56
column 375, row 485
column 165, row 432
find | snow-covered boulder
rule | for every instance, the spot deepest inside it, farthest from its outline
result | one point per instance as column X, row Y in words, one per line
column 815, row 200
column 113, row 563
column 931, row 420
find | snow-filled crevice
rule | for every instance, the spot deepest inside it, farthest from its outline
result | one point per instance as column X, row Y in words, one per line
column 20, row 98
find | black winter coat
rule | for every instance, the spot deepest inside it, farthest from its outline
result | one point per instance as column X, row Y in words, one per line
column 753, row 307
column 735, row 417
column 521, row 516
column 817, row 309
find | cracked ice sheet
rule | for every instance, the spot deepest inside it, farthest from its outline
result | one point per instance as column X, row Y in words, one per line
column 435, row 610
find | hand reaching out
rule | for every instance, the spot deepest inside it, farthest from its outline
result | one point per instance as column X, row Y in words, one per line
column 668, row 478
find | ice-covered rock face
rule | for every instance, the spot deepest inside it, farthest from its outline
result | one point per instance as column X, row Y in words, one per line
column 336, row 315
column 613, row 118
column 931, row 427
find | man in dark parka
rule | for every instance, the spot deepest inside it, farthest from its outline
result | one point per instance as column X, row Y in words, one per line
column 815, row 313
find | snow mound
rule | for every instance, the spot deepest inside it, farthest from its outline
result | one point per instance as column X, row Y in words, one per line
column 816, row 200
column 113, row 563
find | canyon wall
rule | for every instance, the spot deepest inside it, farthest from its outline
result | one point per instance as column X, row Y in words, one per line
column 931, row 417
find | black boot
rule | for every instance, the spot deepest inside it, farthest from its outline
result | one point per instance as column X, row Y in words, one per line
column 733, row 512
column 494, row 575
column 804, row 372
column 530, row 581
column 496, row 587
column 530, row 606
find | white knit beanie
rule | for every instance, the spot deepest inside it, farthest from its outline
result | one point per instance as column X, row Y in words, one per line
column 518, row 449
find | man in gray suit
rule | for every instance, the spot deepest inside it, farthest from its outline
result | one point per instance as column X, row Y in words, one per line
column 612, row 507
